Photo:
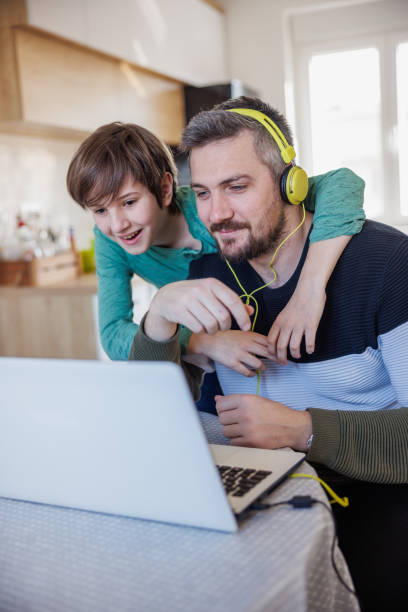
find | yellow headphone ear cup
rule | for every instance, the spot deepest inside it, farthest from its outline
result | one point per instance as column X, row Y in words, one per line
column 294, row 185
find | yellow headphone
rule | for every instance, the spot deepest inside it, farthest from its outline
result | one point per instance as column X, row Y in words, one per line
column 294, row 182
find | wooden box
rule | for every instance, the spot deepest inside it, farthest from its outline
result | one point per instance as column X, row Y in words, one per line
column 40, row 272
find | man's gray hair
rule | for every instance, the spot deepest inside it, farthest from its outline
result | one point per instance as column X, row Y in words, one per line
column 217, row 124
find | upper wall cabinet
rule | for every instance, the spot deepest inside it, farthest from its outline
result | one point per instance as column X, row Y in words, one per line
column 68, row 87
column 67, row 68
column 184, row 39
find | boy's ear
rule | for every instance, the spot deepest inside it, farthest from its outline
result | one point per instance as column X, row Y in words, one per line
column 167, row 188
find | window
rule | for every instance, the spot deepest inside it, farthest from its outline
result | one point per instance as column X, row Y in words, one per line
column 351, row 98
column 345, row 111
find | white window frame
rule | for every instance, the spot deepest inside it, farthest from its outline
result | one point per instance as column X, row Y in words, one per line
column 386, row 43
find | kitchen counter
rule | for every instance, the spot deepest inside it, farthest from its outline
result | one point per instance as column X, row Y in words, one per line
column 86, row 284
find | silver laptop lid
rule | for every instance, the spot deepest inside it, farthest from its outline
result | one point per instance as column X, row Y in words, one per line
column 117, row 437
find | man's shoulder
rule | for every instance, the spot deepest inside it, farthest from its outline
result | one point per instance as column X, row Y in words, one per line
column 375, row 246
column 375, row 261
column 380, row 233
column 367, row 291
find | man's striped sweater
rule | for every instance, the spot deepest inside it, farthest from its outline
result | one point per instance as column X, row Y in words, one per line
column 360, row 364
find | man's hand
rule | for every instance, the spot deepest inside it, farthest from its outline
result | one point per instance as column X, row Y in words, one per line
column 241, row 351
column 203, row 305
column 250, row 420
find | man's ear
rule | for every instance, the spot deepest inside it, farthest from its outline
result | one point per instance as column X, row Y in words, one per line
column 167, row 188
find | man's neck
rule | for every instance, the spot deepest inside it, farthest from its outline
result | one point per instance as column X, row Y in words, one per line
column 289, row 254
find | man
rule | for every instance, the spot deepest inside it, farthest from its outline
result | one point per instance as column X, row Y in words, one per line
column 342, row 404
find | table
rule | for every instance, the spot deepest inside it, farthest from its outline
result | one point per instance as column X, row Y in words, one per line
column 63, row 560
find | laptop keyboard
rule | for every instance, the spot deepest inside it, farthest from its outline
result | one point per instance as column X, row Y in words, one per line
column 238, row 481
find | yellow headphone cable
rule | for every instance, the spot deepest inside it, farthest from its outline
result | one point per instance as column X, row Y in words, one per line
column 250, row 296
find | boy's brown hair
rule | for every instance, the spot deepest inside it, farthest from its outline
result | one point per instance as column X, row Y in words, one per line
column 113, row 153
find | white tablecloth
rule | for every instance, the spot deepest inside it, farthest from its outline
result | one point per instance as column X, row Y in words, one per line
column 63, row 560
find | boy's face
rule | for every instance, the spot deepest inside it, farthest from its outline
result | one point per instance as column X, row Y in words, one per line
column 133, row 219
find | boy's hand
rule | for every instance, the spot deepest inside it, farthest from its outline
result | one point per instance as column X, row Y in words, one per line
column 300, row 317
column 302, row 314
column 241, row 351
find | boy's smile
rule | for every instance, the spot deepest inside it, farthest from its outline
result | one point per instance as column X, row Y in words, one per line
column 131, row 239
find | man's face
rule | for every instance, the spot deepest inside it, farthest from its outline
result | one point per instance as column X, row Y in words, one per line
column 237, row 198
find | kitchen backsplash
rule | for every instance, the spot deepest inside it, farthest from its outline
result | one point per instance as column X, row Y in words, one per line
column 32, row 176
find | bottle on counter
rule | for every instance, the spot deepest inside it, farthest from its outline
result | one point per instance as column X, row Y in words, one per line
column 71, row 233
column 27, row 240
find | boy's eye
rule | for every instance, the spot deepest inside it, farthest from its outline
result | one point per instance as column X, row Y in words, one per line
column 129, row 202
column 99, row 211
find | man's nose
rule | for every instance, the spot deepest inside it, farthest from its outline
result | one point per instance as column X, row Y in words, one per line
column 118, row 219
column 220, row 208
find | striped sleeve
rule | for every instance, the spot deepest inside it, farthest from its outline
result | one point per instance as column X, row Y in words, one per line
column 370, row 446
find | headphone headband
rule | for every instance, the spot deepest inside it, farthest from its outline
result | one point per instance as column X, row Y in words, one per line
column 293, row 182
column 286, row 150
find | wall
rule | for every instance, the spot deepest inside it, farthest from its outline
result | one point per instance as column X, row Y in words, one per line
column 257, row 44
column 32, row 174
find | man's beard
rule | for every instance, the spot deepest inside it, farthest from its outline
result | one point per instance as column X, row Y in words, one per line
column 255, row 246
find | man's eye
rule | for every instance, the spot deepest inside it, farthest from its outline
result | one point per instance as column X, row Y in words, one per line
column 237, row 187
column 201, row 194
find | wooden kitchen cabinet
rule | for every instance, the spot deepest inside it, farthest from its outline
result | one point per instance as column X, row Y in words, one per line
column 69, row 87
column 59, row 321
column 52, row 86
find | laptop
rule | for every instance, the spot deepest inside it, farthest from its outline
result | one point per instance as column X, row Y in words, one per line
column 123, row 438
